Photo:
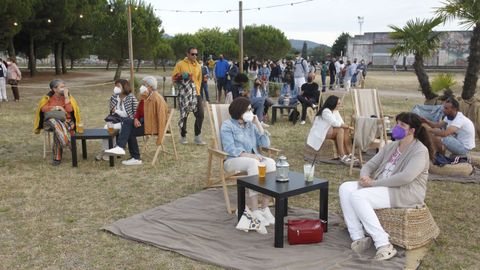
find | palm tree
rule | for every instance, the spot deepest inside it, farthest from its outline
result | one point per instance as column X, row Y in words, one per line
column 468, row 11
column 417, row 37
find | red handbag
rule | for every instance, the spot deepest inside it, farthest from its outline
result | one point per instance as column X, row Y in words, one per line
column 305, row 231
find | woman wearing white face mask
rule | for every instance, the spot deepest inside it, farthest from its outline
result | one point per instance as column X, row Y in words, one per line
column 241, row 136
column 150, row 118
column 123, row 104
column 395, row 177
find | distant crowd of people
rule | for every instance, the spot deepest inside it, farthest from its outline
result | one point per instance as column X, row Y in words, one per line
column 9, row 74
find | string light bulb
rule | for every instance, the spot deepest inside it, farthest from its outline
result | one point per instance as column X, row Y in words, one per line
column 15, row 24
column 81, row 16
column 49, row 21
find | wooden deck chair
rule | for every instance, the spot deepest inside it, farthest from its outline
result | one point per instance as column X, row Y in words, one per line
column 218, row 113
column 161, row 147
column 366, row 104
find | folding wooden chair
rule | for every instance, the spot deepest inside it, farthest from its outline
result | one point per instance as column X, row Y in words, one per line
column 161, row 147
column 47, row 143
column 367, row 105
column 218, row 113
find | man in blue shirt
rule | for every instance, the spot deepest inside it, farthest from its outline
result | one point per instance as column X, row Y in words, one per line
column 221, row 69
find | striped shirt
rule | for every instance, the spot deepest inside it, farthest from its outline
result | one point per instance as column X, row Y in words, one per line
column 129, row 102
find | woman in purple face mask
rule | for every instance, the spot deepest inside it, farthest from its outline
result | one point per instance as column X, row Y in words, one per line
column 395, row 177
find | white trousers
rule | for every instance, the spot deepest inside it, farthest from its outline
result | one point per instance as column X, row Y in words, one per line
column 105, row 141
column 3, row 89
column 250, row 165
column 298, row 83
column 357, row 205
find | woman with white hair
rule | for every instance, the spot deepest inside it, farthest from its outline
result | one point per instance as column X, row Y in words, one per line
column 150, row 118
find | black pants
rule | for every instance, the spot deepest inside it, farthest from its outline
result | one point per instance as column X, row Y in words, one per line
column 199, row 115
column 306, row 102
column 128, row 134
column 221, row 84
column 332, row 79
column 14, row 83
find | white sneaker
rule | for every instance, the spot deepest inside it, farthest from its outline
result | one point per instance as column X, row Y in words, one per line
column 258, row 215
column 116, row 151
column 267, row 214
column 132, row 161
column 183, row 140
column 302, row 123
column 314, row 106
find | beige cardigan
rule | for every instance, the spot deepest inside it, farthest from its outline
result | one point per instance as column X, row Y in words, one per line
column 408, row 183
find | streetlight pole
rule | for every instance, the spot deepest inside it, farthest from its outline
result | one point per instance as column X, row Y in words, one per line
column 360, row 22
column 130, row 46
column 240, row 36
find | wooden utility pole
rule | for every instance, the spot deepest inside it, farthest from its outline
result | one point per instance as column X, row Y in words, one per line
column 130, row 47
column 240, row 36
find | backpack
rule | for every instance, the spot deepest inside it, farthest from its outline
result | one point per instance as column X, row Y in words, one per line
column 293, row 116
column 2, row 72
column 301, row 64
column 441, row 160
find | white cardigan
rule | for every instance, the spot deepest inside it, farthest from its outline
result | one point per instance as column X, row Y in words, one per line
column 321, row 125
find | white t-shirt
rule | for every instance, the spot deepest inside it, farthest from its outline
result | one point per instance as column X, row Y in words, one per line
column 466, row 131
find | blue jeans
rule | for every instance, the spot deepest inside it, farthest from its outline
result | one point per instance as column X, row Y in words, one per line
column 128, row 134
column 454, row 145
column 204, row 89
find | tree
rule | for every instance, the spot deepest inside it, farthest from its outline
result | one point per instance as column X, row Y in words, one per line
column 320, row 53
column 468, row 11
column 217, row 42
column 111, row 36
column 304, row 50
column 418, row 38
column 340, row 45
column 263, row 42
column 181, row 42
column 12, row 14
column 163, row 52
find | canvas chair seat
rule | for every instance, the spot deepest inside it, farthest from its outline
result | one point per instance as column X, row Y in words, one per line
column 218, row 113
column 161, row 147
column 367, row 109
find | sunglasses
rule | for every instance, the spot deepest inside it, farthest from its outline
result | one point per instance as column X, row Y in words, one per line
column 194, row 54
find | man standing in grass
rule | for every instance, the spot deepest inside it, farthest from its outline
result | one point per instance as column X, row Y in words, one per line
column 191, row 66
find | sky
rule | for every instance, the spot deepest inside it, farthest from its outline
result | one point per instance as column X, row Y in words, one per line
column 321, row 21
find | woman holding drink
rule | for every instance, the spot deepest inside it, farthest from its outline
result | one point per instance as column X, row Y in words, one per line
column 241, row 136
column 57, row 112
column 123, row 104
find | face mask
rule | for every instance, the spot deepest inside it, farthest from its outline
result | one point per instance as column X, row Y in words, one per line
column 62, row 91
column 143, row 89
column 230, row 63
column 247, row 117
column 9, row 63
column 398, row 133
column 264, row 66
column 117, row 90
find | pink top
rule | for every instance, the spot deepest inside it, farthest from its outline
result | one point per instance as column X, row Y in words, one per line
column 14, row 72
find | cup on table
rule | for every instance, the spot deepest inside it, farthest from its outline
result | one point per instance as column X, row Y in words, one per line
column 110, row 128
column 308, row 172
column 80, row 127
column 262, row 170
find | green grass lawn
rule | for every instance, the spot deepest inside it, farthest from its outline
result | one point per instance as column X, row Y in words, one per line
column 50, row 217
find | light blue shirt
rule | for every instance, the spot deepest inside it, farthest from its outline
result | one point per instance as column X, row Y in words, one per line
column 237, row 139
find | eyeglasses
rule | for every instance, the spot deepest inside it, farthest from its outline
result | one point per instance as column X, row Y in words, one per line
column 194, row 54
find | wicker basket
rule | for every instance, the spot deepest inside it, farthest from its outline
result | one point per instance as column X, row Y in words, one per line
column 409, row 228
column 459, row 169
column 327, row 151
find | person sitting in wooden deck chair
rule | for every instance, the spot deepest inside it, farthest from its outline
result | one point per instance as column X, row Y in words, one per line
column 241, row 136
column 150, row 118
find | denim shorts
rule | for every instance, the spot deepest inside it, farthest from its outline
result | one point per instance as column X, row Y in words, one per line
column 454, row 145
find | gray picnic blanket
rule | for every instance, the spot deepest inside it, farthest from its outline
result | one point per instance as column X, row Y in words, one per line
column 199, row 227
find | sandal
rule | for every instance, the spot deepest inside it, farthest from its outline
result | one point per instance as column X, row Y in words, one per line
column 362, row 244
column 385, row 253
